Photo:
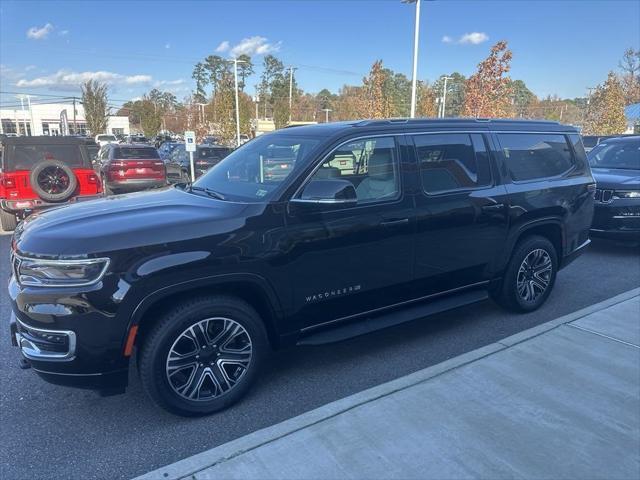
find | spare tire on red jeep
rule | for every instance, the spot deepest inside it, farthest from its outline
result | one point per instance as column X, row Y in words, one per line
column 53, row 181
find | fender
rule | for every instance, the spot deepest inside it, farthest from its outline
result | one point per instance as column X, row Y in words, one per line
column 518, row 230
column 160, row 293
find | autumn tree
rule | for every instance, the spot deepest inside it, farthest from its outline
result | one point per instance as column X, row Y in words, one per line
column 488, row 91
column 349, row 104
column 94, row 101
column 426, row 101
column 376, row 103
column 605, row 114
column 630, row 78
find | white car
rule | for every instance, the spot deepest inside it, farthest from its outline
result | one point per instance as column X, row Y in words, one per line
column 105, row 139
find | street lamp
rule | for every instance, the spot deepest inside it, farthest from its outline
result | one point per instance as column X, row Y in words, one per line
column 443, row 106
column 416, row 36
column 326, row 114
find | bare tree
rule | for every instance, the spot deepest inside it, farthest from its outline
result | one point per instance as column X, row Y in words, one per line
column 94, row 101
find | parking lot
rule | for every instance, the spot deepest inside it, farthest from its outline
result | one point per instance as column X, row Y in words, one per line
column 73, row 433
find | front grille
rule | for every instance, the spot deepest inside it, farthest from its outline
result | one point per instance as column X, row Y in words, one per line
column 603, row 196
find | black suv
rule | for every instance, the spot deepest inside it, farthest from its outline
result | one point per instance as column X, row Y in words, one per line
column 616, row 169
column 375, row 223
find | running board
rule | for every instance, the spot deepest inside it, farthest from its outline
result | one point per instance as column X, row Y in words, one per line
column 366, row 325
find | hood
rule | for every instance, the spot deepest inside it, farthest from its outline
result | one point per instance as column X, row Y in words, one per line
column 126, row 221
column 616, row 178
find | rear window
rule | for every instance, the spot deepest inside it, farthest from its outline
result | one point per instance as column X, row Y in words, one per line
column 531, row 156
column 133, row 152
column 25, row 157
column 212, row 153
column 106, row 138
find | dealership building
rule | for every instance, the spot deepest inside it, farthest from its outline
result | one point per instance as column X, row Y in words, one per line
column 54, row 119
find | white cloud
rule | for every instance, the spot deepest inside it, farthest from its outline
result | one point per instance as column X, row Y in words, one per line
column 64, row 79
column 41, row 33
column 254, row 46
column 63, row 33
column 473, row 38
column 161, row 83
column 223, row 47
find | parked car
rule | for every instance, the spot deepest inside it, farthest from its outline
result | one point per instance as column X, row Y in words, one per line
column 42, row 172
column 206, row 156
column 160, row 139
column 104, row 139
column 166, row 148
column 130, row 168
column 136, row 139
column 615, row 163
column 205, row 279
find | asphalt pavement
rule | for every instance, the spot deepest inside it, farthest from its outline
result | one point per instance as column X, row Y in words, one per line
column 54, row 432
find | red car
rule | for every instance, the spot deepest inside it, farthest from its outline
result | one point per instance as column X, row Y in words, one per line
column 43, row 172
column 130, row 168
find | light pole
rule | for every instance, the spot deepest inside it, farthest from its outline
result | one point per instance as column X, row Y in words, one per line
column 235, row 79
column 416, row 36
column 291, row 69
column 443, row 105
column 24, row 115
column 326, row 114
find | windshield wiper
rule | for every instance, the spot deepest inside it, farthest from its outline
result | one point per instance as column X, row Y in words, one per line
column 208, row 191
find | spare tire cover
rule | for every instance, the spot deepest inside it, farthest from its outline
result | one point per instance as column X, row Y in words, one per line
column 53, row 181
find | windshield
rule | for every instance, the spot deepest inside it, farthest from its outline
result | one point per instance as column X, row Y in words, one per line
column 624, row 155
column 256, row 171
column 132, row 152
column 209, row 153
column 25, row 157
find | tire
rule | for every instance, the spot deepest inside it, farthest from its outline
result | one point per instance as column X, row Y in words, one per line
column 53, row 181
column 521, row 288
column 8, row 221
column 171, row 341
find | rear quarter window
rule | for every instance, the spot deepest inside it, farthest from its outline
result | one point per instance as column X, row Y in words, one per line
column 532, row 156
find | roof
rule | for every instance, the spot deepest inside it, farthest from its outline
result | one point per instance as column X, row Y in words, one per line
column 44, row 140
column 396, row 124
column 621, row 139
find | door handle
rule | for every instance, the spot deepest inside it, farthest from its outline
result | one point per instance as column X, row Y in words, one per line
column 493, row 208
column 394, row 222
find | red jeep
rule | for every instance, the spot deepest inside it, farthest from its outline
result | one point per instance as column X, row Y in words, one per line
column 43, row 172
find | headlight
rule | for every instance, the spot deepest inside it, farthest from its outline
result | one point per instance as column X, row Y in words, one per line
column 627, row 194
column 60, row 273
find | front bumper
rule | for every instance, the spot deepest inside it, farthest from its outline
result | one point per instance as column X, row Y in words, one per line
column 619, row 219
column 37, row 204
column 68, row 338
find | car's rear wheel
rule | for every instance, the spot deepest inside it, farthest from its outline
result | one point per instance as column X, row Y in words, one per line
column 8, row 221
column 203, row 355
column 530, row 275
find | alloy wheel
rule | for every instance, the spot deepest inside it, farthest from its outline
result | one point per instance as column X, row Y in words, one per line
column 53, row 180
column 208, row 359
column 534, row 275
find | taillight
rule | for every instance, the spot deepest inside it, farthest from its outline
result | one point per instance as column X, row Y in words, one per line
column 7, row 182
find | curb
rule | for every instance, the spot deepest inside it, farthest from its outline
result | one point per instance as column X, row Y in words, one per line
column 234, row 448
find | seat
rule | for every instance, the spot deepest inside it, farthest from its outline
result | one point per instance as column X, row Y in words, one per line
column 380, row 181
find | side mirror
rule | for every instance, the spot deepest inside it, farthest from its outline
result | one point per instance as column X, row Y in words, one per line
column 333, row 191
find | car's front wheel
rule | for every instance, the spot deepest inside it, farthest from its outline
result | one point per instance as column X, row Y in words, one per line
column 530, row 275
column 203, row 355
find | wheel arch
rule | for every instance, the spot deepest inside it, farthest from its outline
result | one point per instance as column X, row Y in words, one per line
column 550, row 228
column 250, row 288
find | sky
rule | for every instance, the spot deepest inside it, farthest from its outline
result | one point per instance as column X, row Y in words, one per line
column 559, row 47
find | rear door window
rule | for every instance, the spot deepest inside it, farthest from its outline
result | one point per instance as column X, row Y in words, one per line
column 532, row 156
column 25, row 157
column 452, row 161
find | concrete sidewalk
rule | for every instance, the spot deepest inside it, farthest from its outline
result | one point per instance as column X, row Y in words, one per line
column 561, row 400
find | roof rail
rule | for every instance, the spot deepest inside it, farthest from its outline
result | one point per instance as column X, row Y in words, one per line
column 422, row 121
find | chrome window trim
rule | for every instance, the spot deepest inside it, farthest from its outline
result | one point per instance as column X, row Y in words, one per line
column 34, row 353
column 19, row 258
